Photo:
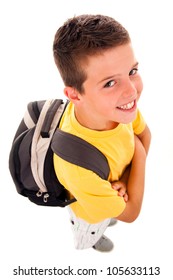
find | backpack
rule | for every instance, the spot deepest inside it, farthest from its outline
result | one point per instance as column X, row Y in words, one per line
column 37, row 138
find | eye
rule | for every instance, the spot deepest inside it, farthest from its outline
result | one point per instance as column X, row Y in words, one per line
column 109, row 84
column 133, row 71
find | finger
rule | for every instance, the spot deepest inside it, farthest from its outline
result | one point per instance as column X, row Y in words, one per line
column 126, row 197
column 116, row 187
column 122, row 192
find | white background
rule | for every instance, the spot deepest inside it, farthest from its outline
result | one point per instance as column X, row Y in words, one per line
column 41, row 237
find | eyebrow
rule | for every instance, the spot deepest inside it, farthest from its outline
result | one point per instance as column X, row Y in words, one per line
column 115, row 75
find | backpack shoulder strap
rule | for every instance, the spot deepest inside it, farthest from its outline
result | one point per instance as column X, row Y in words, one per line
column 50, row 116
column 48, row 120
column 78, row 151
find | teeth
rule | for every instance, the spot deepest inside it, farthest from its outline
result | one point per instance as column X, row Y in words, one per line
column 127, row 106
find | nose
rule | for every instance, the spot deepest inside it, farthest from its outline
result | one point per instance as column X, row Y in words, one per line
column 129, row 89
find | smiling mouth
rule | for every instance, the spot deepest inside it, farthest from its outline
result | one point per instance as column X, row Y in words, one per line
column 127, row 106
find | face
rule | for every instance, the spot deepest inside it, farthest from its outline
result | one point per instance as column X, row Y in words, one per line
column 111, row 90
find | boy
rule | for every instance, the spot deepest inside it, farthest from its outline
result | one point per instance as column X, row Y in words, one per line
column 96, row 61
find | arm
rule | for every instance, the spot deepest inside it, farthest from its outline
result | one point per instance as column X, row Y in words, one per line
column 121, row 185
column 135, row 184
column 145, row 138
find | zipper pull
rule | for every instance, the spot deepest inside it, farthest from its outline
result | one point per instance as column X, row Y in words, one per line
column 39, row 193
column 45, row 197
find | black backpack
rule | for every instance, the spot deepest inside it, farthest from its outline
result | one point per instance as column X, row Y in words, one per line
column 31, row 157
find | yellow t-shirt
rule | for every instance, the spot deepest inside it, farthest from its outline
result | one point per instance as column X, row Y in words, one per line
column 96, row 200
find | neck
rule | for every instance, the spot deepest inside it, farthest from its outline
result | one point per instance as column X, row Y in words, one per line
column 91, row 122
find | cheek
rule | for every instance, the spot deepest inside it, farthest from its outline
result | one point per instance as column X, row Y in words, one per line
column 139, row 86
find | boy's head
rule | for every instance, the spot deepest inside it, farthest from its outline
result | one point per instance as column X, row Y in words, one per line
column 81, row 37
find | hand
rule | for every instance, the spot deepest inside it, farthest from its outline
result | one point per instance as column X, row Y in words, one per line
column 121, row 188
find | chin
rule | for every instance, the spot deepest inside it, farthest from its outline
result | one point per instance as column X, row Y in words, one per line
column 129, row 118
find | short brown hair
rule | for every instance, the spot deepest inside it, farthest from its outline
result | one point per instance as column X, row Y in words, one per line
column 80, row 37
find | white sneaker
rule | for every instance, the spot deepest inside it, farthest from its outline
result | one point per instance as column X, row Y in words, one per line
column 104, row 244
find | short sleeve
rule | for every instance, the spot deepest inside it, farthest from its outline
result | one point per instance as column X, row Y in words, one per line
column 139, row 123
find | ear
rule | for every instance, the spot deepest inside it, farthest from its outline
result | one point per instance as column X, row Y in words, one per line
column 72, row 94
